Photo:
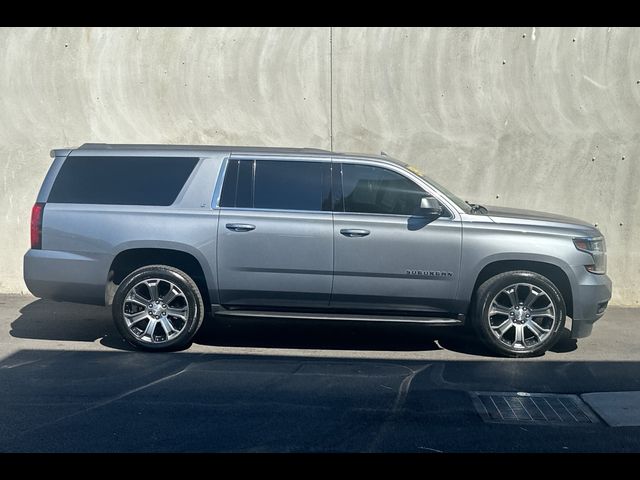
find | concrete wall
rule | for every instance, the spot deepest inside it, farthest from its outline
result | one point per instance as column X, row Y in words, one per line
column 67, row 86
column 541, row 118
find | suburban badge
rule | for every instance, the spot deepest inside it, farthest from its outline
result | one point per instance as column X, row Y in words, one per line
column 429, row 273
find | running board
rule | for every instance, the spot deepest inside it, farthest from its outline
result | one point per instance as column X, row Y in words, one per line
column 434, row 321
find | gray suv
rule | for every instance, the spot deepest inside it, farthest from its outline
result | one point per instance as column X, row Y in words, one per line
column 167, row 235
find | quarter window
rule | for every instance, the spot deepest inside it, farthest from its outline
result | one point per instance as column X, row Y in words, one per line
column 121, row 180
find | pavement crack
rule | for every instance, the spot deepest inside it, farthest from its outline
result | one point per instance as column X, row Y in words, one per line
column 103, row 403
column 398, row 404
column 431, row 449
column 20, row 364
column 436, row 377
column 404, row 389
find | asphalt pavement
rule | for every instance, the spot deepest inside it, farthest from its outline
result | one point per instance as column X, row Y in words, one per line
column 68, row 383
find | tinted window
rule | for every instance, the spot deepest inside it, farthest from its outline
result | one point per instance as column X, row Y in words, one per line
column 121, row 180
column 273, row 184
column 237, row 190
column 336, row 187
column 292, row 185
column 230, row 185
column 369, row 189
column 244, row 197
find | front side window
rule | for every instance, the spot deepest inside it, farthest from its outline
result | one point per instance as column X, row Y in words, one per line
column 368, row 189
column 278, row 185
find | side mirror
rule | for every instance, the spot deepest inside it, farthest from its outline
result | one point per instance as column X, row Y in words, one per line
column 429, row 206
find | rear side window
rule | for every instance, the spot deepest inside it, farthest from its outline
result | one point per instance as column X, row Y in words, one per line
column 237, row 190
column 278, row 185
column 121, row 180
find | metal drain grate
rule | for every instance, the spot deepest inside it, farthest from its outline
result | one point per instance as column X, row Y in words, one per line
column 532, row 408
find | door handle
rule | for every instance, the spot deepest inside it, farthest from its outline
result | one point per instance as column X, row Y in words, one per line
column 354, row 232
column 240, row 227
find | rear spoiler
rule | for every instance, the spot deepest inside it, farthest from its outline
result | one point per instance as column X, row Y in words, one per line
column 60, row 152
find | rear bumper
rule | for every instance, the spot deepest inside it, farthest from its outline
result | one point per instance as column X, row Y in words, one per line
column 591, row 294
column 65, row 276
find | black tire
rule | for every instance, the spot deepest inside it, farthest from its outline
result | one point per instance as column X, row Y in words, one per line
column 190, row 297
column 532, row 345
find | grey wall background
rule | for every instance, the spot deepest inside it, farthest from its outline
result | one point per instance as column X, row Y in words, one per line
column 544, row 118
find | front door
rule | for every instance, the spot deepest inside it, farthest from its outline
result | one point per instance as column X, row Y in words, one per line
column 387, row 256
column 275, row 234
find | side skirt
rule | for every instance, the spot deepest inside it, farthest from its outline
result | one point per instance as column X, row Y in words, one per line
column 458, row 319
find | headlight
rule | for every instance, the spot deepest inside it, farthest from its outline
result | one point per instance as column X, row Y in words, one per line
column 596, row 247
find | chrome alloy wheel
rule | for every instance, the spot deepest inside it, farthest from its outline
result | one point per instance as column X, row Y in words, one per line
column 155, row 310
column 522, row 316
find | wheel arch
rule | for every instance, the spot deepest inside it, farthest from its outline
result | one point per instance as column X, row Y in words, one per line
column 130, row 259
column 551, row 271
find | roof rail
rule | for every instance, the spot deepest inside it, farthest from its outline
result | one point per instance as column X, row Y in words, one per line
column 60, row 152
column 319, row 150
column 94, row 145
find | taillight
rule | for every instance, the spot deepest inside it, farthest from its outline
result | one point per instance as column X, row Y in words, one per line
column 36, row 225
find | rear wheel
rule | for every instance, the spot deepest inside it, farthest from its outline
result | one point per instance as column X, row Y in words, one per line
column 158, row 308
column 519, row 313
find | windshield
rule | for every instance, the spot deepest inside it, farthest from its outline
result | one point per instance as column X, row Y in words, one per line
column 450, row 195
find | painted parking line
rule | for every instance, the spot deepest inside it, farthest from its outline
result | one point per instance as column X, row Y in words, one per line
column 617, row 409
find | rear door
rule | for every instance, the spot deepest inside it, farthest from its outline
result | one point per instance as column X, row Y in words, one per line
column 387, row 256
column 275, row 235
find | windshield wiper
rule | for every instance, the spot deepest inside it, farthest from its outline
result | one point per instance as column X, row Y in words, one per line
column 477, row 208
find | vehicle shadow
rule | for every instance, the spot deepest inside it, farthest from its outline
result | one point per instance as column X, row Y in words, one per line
column 48, row 320
column 310, row 334
column 76, row 400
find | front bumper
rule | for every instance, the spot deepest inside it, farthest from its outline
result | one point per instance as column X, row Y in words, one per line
column 591, row 294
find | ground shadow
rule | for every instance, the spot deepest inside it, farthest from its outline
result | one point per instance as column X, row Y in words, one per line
column 565, row 344
column 61, row 400
column 330, row 335
column 48, row 320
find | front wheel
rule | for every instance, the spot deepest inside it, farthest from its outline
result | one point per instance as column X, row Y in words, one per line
column 519, row 313
column 158, row 308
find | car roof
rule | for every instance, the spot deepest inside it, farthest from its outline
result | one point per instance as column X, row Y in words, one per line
column 213, row 148
column 193, row 149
